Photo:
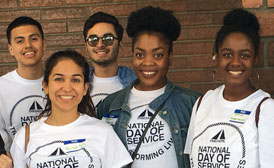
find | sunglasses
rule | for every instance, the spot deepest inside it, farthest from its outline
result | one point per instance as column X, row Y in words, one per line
column 107, row 39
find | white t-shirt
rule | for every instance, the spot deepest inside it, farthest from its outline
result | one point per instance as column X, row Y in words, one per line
column 102, row 87
column 21, row 101
column 157, row 149
column 224, row 134
column 85, row 143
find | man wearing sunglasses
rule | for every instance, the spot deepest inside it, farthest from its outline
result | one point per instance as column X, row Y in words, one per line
column 103, row 34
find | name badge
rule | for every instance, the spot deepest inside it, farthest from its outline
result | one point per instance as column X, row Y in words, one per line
column 110, row 119
column 74, row 145
column 240, row 116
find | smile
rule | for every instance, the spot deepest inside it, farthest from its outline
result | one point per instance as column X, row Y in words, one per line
column 148, row 73
column 29, row 54
column 66, row 97
column 235, row 72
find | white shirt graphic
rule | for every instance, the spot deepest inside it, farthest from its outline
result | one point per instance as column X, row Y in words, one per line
column 85, row 143
column 223, row 133
column 157, row 149
column 102, row 87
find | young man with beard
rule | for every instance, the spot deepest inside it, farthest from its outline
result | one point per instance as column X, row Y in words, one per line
column 21, row 94
column 103, row 34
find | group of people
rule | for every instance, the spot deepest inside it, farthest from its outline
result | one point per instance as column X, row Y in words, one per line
column 67, row 114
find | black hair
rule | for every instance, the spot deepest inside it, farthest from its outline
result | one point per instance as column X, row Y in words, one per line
column 239, row 20
column 153, row 19
column 85, row 106
column 101, row 17
column 22, row 21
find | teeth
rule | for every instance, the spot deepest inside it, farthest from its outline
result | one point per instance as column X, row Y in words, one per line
column 29, row 53
column 235, row 72
column 149, row 73
column 101, row 52
column 66, row 97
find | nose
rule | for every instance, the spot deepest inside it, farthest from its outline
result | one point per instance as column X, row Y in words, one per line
column 100, row 43
column 235, row 60
column 28, row 43
column 148, row 60
column 67, row 86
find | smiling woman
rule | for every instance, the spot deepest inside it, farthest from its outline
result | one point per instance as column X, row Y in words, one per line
column 232, row 126
column 67, row 134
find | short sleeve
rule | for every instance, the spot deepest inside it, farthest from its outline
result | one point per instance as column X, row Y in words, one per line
column 266, row 134
column 116, row 155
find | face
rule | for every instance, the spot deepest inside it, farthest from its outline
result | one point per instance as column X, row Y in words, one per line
column 27, row 46
column 236, row 59
column 101, row 54
column 66, row 86
column 151, row 61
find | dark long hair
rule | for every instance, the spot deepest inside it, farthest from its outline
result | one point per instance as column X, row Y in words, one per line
column 85, row 106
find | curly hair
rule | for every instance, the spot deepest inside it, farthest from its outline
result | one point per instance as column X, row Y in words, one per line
column 239, row 20
column 153, row 19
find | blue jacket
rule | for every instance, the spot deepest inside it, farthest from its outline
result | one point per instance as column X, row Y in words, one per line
column 176, row 112
column 125, row 74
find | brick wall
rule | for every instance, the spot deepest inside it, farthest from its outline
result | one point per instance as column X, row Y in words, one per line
column 192, row 67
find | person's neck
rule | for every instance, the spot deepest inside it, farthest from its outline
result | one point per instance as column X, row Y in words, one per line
column 31, row 73
column 236, row 93
column 62, row 118
column 106, row 71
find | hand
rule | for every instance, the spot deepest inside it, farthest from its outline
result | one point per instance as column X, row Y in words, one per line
column 5, row 161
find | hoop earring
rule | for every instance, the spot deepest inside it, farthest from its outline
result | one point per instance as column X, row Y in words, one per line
column 213, row 78
column 258, row 80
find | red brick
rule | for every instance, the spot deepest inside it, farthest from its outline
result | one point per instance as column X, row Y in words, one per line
column 125, row 51
column 218, row 18
column 76, row 26
column 212, row 5
column 65, row 41
column 8, row 16
column 252, row 3
column 6, row 57
column 179, row 63
column 190, row 76
column 3, row 29
column 6, row 69
column 271, row 53
column 194, row 19
column 203, row 88
column 267, row 80
column 93, row 1
column 126, row 62
column 266, row 20
column 175, row 5
column 199, row 33
column 193, row 48
column 8, row 3
column 3, row 43
column 54, row 27
column 33, row 3
column 205, row 61
column 270, row 3
column 64, row 13
column 118, row 10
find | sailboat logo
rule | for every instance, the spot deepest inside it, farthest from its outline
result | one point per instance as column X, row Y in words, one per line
column 35, row 107
column 146, row 114
column 219, row 137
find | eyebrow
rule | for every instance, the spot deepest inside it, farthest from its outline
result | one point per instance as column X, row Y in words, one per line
column 22, row 37
column 59, row 74
column 228, row 49
column 154, row 49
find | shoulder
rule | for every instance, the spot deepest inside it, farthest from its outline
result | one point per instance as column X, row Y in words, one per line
column 94, row 122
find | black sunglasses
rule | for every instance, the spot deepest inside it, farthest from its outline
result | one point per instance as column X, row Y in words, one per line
column 107, row 39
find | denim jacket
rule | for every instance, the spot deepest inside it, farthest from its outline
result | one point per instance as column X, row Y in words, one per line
column 125, row 75
column 176, row 112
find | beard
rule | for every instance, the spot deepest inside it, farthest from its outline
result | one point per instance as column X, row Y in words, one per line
column 106, row 61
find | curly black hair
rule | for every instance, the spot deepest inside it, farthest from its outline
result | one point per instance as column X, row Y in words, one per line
column 153, row 19
column 243, row 21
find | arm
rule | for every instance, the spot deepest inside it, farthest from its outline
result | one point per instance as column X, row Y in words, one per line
column 5, row 161
column 266, row 134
